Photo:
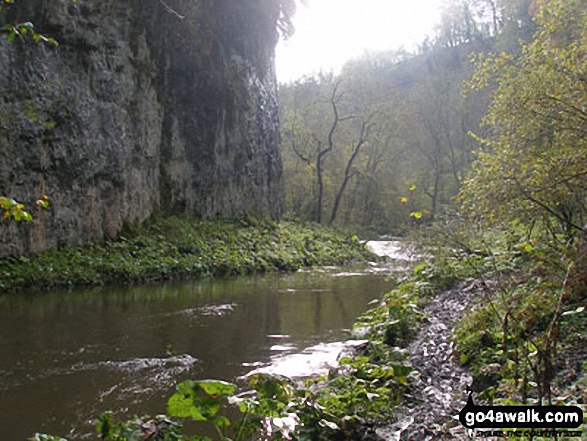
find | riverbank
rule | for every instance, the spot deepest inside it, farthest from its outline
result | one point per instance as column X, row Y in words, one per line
column 182, row 247
column 493, row 320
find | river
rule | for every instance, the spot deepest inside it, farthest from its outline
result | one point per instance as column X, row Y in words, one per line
column 68, row 356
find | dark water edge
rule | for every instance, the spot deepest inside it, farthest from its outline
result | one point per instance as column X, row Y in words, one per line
column 65, row 357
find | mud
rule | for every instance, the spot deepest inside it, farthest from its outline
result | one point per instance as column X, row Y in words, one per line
column 438, row 384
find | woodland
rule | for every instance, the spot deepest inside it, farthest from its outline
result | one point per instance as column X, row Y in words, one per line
column 395, row 134
column 474, row 148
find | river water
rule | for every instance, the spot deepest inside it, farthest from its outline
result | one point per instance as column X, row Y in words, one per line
column 66, row 357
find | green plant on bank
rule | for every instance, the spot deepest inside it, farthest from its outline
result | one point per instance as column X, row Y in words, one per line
column 395, row 321
column 529, row 315
column 529, row 179
column 360, row 393
column 182, row 247
column 271, row 406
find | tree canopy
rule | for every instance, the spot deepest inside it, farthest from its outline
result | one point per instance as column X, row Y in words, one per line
column 534, row 163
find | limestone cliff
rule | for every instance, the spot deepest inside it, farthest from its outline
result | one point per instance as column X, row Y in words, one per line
column 144, row 104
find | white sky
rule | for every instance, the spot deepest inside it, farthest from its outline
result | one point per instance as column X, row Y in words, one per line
column 331, row 32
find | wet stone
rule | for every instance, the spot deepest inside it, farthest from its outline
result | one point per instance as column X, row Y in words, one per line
column 438, row 385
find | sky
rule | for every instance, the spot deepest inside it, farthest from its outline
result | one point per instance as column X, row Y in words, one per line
column 330, row 32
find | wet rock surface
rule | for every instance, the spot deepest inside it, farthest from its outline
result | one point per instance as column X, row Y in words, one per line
column 438, row 385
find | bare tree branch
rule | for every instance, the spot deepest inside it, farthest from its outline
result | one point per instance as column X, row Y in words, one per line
column 171, row 10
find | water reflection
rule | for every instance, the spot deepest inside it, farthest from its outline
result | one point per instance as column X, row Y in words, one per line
column 65, row 357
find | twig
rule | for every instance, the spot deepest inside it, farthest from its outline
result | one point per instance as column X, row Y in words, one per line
column 171, row 10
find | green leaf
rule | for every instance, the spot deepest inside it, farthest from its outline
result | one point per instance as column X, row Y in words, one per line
column 105, row 425
column 182, row 406
column 216, row 387
column 401, row 370
column 221, row 422
column 197, row 399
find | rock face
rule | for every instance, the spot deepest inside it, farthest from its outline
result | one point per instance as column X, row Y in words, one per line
column 145, row 105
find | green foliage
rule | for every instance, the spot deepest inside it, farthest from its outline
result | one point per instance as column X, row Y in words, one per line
column 526, row 320
column 363, row 391
column 183, row 247
column 533, row 166
column 141, row 429
column 24, row 30
column 360, row 391
column 395, row 320
column 199, row 400
column 529, row 181
column 12, row 209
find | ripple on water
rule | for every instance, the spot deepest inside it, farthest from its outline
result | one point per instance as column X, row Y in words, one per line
column 177, row 363
column 219, row 310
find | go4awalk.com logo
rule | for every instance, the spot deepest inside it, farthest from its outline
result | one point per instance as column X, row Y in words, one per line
column 519, row 417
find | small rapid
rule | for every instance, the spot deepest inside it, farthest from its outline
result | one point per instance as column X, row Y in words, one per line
column 68, row 356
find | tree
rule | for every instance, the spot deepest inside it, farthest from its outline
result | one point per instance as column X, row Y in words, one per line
column 349, row 173
column 326, row 132
column 533, row 167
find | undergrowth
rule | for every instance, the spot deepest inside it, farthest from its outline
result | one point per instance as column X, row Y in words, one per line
column 524, row 337
column 181, row 247
column 353, row 398
column 524, row 340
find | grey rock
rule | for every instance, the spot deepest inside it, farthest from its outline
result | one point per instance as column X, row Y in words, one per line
column 145, row 104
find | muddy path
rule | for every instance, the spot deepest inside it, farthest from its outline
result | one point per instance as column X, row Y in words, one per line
column 438, row 386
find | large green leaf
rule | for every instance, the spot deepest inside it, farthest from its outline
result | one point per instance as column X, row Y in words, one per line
column 198, row 399
column 216, row 387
